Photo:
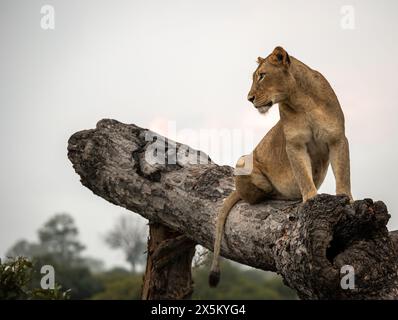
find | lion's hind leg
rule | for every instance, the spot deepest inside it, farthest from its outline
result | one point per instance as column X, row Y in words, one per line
column 253, row 188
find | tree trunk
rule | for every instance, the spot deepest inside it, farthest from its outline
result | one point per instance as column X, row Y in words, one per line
column 168, row 269
column 306, row 244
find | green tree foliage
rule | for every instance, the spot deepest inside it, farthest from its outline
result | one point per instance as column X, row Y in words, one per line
column 119, row 284
column 16, row 283
column 77, row 278
column 237, row 283
column 59, row 238
column 60, row 247
column 23, row 248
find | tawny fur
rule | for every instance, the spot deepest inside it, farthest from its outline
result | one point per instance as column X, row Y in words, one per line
column 292, row 160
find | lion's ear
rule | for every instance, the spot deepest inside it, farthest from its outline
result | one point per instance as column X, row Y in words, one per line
column 280, row 57
column 259, row 60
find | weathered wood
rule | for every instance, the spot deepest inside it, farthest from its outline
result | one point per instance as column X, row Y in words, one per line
column 168, row 269
column 307, row 244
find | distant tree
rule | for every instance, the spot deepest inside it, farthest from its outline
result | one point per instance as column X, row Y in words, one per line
column 93, row 264
column 129, row 234
column 77, row 278
column 59, row 238
column 23, row 248
column 60, row 247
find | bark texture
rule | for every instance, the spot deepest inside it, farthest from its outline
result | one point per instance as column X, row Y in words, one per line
column 306, row 244
column 168, row 268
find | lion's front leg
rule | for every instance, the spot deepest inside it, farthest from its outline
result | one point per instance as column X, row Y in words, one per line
column 300, row 163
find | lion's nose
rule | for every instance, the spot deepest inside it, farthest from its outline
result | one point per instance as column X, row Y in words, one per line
column 251, row 98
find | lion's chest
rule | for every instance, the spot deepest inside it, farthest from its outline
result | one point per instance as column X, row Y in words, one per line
column 314, row 135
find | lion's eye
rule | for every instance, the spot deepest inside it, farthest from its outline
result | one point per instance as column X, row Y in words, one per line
column 261, row 76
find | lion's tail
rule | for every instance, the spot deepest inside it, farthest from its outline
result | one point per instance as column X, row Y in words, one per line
column 230, row 201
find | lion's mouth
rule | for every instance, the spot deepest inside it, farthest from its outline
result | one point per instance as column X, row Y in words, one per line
column 268, row 105
column 264, row 107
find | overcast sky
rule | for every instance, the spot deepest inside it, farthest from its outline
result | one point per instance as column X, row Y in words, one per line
column 185, row 62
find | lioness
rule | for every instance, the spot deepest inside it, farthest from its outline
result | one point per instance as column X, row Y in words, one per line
column 292, row 159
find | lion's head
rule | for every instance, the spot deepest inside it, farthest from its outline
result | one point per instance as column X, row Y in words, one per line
column 272, row 80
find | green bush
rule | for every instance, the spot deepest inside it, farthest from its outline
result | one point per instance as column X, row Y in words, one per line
column 120, row 284
column 237, row 283
column 81, row 283
column 16, row 283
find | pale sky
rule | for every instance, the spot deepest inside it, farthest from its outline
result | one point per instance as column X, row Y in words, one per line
column 185, row 62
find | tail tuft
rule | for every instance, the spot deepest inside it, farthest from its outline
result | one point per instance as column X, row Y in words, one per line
column 214, row 278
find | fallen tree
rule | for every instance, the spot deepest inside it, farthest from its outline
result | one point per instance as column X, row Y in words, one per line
column 306, row 244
